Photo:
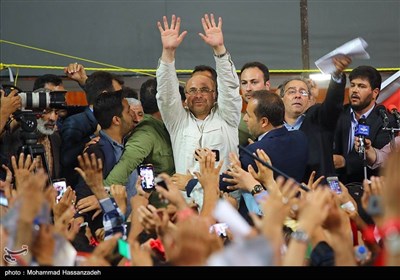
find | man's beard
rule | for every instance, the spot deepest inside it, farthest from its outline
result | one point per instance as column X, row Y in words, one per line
column 43, row 129
column 362, row 105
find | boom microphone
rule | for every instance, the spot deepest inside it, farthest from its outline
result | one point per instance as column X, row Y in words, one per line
column 393, row 109
column 383, row 113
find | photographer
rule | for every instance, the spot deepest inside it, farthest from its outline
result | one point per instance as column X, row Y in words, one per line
column 44, row 134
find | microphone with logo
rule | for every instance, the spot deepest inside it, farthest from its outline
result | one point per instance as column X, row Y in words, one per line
column 362, row 131
column 393, row 109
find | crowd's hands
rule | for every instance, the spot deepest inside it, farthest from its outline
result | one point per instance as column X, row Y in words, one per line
column 341, row 62
column 173, row 194
column 181, row 180
column 91, row 171
column 76, row 72
column 68, row 199
column 118, row 192
column 373, row 191
column 65, row 225
column 6, row 186
column 102, row 252
column 87, row 204
column 240, row 178
column 92, row 141
column 213, row 35
column 22, row 169
column 312, row 185
column 209, row 179
column 43, row 246
column 264, row 175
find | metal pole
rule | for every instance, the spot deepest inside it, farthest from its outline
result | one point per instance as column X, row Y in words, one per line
column 305, row 50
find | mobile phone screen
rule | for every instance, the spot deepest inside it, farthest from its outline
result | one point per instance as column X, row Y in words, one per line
column 60, row 185
column 146, row 173
column 3, row 199
column 124, row 249
column 334, row 184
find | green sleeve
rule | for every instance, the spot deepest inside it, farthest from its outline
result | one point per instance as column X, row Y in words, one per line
column 138, row 147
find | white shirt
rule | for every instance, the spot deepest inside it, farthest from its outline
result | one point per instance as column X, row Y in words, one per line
column 219, row 130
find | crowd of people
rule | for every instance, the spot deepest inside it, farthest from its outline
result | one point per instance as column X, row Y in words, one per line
column 212, row 203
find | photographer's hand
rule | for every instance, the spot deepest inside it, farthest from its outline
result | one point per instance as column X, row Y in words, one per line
column 8, row 105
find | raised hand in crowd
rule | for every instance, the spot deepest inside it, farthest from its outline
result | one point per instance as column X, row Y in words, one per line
column 6, row 187
column 311, row 215
column 140, row 256
column 312, row 185
column 91, row 171
column 372, row 198
column 76, row 72
column 88, row 204
column 172, row 194
column 23, row 169
column 66, row 201
column 120, row 196
column 208, row 177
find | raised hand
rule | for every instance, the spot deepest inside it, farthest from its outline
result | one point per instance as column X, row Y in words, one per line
column 170, row 36
column 213, row 35
column 91, row 171
column 76, row 72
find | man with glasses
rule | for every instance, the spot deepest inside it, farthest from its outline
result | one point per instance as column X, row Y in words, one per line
column 318, row 122
column 204, row 124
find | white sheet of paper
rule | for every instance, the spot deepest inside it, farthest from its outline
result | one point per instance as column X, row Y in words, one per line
column 354, row 48
column 225, row 213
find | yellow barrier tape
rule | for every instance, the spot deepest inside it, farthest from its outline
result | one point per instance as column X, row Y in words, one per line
column 182, row 71
column 140, row 71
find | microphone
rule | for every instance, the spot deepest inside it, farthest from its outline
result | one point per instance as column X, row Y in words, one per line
column 393, row 109
column 383, row 113
column 362, row 131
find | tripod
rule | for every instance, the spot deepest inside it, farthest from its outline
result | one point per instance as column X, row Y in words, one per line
column 29, row 139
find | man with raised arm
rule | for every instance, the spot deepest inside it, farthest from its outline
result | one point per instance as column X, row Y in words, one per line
column 204, row 124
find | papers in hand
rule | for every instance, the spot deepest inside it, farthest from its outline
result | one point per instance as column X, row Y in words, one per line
column 354, row 48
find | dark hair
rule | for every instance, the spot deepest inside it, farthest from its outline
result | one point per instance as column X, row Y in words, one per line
column 48, row 78
column 270, row 106
column 283, row 85
column 128, row 92
column 148, row 92
column 182, row 92
column 99, row 82
column 201, row 68
column 259, row 65
column 369, row 72
column 106, row 106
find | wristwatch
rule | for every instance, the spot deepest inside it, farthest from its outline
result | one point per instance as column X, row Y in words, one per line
column 257, row 189
column 300, row 235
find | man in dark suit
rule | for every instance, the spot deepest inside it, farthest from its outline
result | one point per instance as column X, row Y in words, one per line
column 365, row 84
column 113, row 114
column 78, row 129
column 288, row 151
column 318, row 122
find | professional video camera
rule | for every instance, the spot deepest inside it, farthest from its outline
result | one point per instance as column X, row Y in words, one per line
column 39, row 99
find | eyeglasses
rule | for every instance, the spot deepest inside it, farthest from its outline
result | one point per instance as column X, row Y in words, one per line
column 203, row 90
column 293, row 91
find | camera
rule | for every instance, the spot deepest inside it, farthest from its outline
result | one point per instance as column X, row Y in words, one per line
column 39, row 99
